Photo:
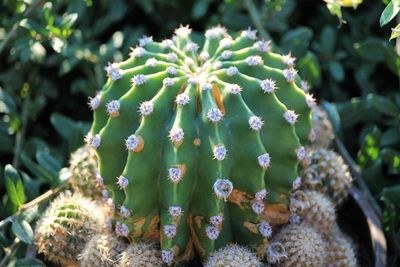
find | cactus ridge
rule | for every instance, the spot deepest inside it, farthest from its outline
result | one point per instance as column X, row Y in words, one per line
column 200, row 146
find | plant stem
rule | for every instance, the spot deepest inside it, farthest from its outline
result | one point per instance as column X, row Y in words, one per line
column 8, row 252
column 32, row 203
column 256, row 19
column 11, row 34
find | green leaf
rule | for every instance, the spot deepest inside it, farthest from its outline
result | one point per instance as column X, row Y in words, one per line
column 29, row 263
column 391, row 158
column 336, row 70
column 391, row 137
column 200, row 8
column 7, row 103
column 70, row 130
column 371, row 49
column 14, row 186
column 383, row 105
column 48, row 162
column 69, row 20
column 23, row 231
column 390, row 12
column 310, row 69
column 392, row 193
column 395, row 32
column 334, row 9
column 36, row 169
column 297, row 41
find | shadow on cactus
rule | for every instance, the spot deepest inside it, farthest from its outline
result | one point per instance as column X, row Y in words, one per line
column 200, row 146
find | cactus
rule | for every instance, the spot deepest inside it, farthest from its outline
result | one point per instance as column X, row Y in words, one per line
column 320, row 212
column 103, row 250
column 67, row 224
column 322, row 130
column 84, row 174
column 297, row 245
column 141, row 254
column 200, row 145
column 340, row 250
column 233, row 255
column 324, row 170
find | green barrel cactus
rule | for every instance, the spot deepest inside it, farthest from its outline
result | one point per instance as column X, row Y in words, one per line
column 200, row 145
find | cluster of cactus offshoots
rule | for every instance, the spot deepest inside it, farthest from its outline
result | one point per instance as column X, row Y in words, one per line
column 217, row 151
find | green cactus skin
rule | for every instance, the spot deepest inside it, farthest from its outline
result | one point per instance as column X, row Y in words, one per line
column 84, row 174
column 216, row 130
column 65, row 227
column 233, row 255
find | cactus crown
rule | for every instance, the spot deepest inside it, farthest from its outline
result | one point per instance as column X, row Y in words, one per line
column 199, row 145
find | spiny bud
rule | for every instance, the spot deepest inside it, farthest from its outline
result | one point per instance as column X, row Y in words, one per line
column 84, row 174
column 302, row 245
column 141, row 254
column 233, row 255
column 325, row 171
column 67, row 224
column 102, row 250
column 320, row 214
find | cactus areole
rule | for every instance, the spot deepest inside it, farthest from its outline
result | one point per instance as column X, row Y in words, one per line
column 200, row 146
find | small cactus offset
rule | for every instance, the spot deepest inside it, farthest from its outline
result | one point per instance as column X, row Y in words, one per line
column 84, row 174
column 102, row 250
column 68, row 223
column 320, row 213
column 297, row 245
column 140, row 254
column 340, row 249
column 233, row 256
column 322, row 129
column 324, row 170
column 200, row 145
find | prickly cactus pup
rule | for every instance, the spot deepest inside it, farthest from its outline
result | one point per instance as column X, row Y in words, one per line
column 233, row 255
column 322, row 130
column 140, row 254
column 320, row 213
column 200, row 146
column 340, row 250
column 297, row 245
column 84, row 175
column 324, row 170
column 67, row 224
column 102, row 250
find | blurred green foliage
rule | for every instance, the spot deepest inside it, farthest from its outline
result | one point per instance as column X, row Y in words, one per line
column 53, row 53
